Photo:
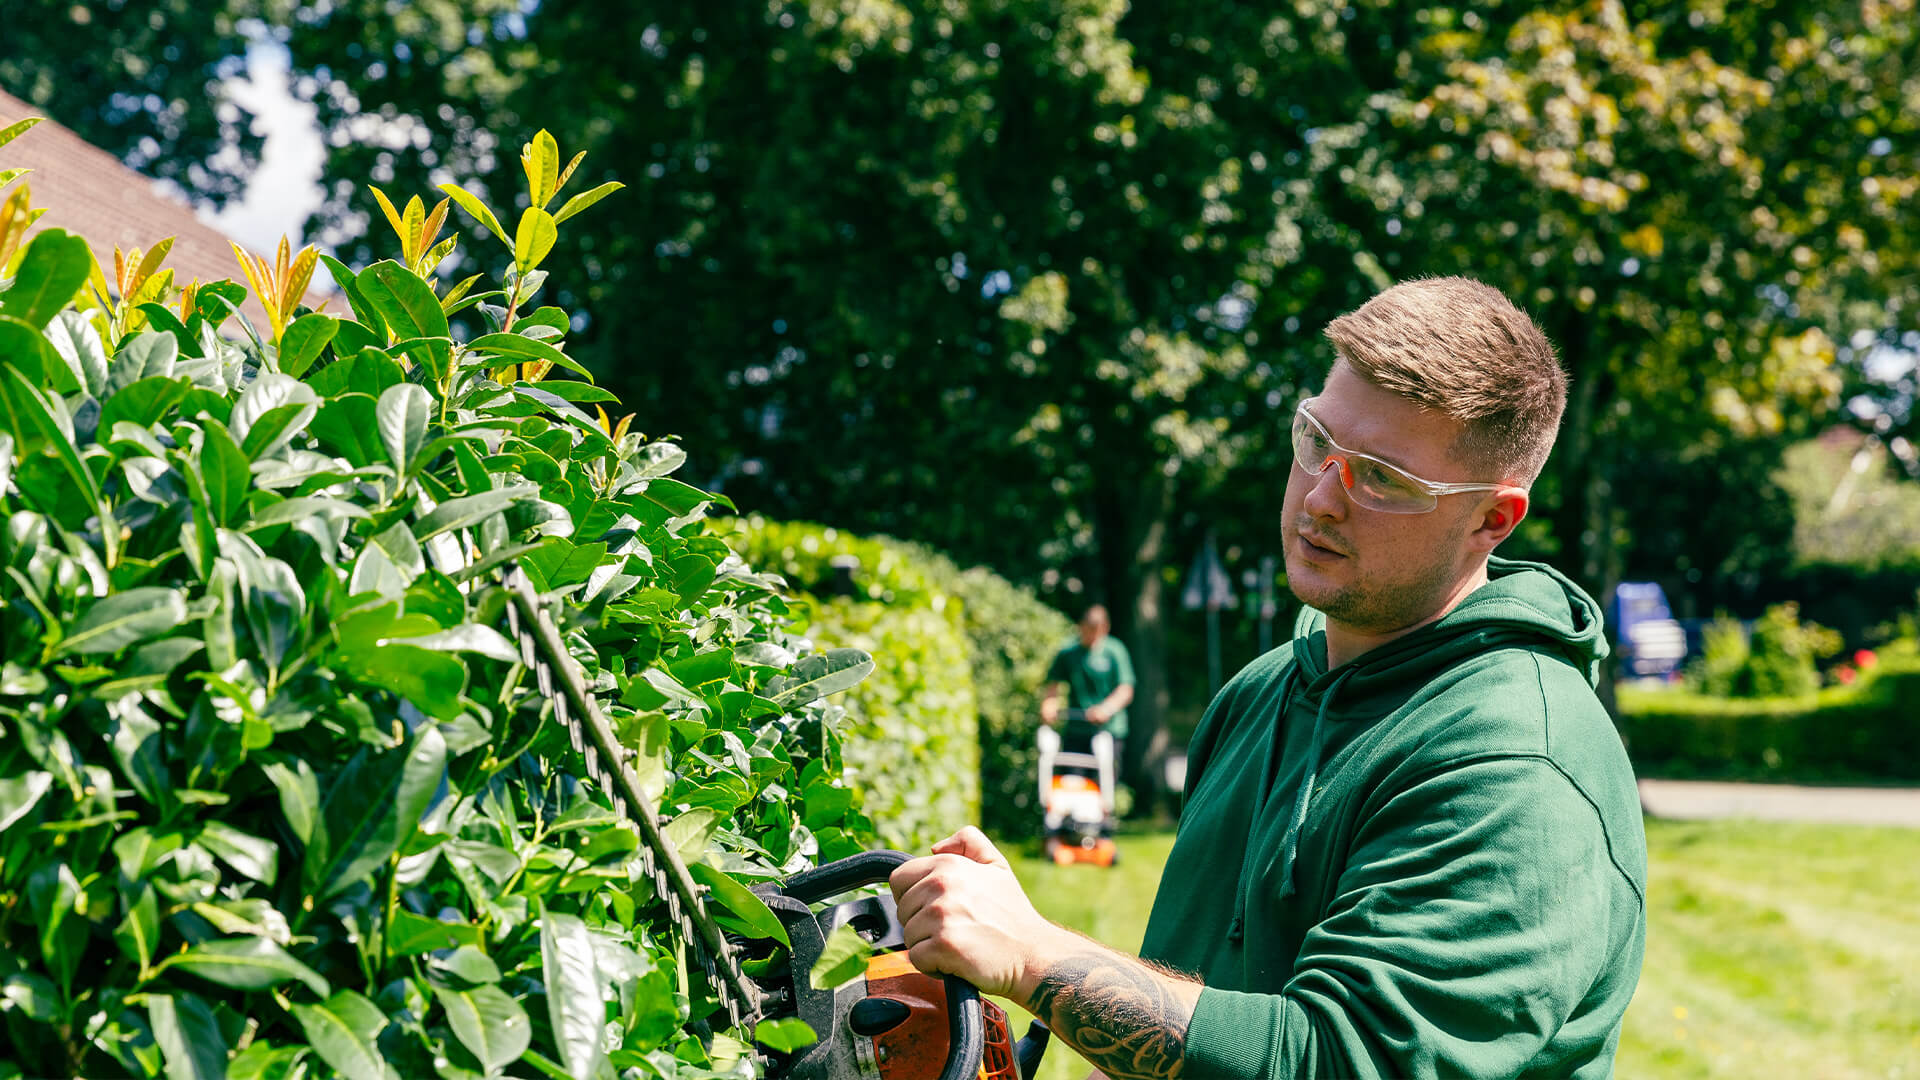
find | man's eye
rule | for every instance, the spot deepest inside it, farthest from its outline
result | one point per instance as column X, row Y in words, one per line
column 1379, row 478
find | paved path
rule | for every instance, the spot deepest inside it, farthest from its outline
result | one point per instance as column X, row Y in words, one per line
column 1698, row 799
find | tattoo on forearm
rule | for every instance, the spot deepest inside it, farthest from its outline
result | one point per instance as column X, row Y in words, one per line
column 1119, row 1013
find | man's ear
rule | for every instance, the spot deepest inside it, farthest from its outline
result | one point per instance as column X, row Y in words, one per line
column 1501, row 514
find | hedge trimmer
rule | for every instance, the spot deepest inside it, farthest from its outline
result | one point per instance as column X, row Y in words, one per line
column 890, row 1023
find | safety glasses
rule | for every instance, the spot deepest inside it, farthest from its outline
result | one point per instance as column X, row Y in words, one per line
column 1371, row 482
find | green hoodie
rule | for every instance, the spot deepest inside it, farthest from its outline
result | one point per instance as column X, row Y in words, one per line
column 1463, row 892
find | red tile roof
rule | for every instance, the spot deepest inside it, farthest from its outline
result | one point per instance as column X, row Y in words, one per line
column 89, row 192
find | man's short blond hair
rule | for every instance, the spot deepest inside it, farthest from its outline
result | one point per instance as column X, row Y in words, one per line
column 1462, row 349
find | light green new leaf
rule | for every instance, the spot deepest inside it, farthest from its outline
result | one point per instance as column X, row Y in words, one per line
column 843, row 960
column 488, row 1023
column 344, row 1031
column 17, row 128
column 534, row 239
column 123, row 619
column 786, row 1034
column 252, row 963
column 822, row 674
column 190, row 1040
column 472, row 205
column 576, row 992
column 541, row 159
column 585, row 199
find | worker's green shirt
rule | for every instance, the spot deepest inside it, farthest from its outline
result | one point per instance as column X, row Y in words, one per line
column 1091, row 676
column 1461, row 893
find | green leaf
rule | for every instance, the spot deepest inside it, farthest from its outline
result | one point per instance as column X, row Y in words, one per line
column 344, row 1031
column 466, row 511
column 411, row 934
column 469, row 637
column 190, row 1039
column 533, row 240
column 138, row 933
column 472, row 205
column 401, row 416
column 299, row 795
column 124, row 619
column 820, row 675
column 585, row 199
column 304, row 340
column 373, row 805
column 349, row 426
column 252, row 856
column 262, row 1060
column 146, row 355
column 53, row 896
column 433, row 681
column 144, row 402
column 407, row 303
column 689, row 833
column 19, row 794
column 369, row 371
column 252, row 963
column 756, row 919
column 73, row 335
column 55, row 266
column 577, row 393
column 17, row 128
column 843, row 960
column 288, row 511
column 22, row 345
column 576, row 992
column 786, row 1034
column 491, row 1025
column 515, row 348
column 226, row 470
column 28, row 415
column 271, row 410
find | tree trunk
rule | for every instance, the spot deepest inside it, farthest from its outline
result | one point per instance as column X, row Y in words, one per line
column 1583, row 521
column 1132, row 529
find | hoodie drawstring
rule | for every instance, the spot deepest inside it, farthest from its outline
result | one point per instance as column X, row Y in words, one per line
column 1290, row 845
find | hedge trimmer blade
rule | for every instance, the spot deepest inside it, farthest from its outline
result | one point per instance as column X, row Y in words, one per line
column 544, row 654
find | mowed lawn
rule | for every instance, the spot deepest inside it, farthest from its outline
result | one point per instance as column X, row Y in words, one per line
column 1777, row 951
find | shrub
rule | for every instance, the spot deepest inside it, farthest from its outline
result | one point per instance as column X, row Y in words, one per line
column 1010, row 638
column 1778, row 659
column 276, row 795
column 1866, row 729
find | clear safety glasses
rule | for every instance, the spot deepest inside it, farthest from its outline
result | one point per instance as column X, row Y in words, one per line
column 1371, row 482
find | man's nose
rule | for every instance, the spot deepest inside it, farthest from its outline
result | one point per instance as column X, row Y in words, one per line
column 1327, row 498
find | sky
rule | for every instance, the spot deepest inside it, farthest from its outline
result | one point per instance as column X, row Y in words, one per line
column 286, row 187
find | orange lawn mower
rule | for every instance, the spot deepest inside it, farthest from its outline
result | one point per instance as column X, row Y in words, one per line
column 1076, row 795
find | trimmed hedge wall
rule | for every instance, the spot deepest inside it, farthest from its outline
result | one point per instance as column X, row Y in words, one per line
column 1869, row 730
column 1008, row 638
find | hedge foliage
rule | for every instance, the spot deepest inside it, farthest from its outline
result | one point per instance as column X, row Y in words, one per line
column 1868, row 729
column 277, row 797
column 1009, row 637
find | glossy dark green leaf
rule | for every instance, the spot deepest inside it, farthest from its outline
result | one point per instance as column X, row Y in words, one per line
column 576, row 992
column 74, row 337
column 144, row 402
column 515, row 348
column 349, row 426
column 149, row 354
column 370, row 371
column 433, row 681
column 28, row 416
column 466, row 512
column 401, row 417
column 190, row 1039
column 20, row 793
column 123, row 619
column 287, row 511
column 253, row 963
column 271, row 411
column 138, row 932
column 303, row 341
column 579, row 393
column 344, row 1031
column 407, row 303
column 138, row 748
column 299, row 795
column 224, row 468
column 372, row 806
column 52, row 270
column 411, row 934
column 492, row 1026
column 53, row 897
column 256, row 858
column 754, row 915
column 262, row 1060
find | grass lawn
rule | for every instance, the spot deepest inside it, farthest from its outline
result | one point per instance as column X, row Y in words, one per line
column 1778, row 951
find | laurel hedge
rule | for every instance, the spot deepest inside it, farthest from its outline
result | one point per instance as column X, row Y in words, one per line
column 971, row 727
column 277, row 796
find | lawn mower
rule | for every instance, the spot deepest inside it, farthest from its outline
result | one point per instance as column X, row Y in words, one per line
column 1076, row 795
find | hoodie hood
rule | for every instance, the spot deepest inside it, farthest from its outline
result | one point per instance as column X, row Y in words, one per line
column 1522, row 603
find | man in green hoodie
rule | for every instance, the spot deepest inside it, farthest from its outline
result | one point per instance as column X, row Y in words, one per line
column 1412, row 844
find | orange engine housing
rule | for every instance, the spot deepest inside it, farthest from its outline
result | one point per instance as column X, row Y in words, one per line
column 918, row 1047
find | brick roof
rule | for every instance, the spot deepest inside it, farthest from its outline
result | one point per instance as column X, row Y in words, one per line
column 87, row 191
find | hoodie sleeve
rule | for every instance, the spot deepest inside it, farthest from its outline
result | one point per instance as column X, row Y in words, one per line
column 1477, row 910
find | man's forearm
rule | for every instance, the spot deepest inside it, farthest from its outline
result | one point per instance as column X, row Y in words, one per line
column 1126, row 1017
